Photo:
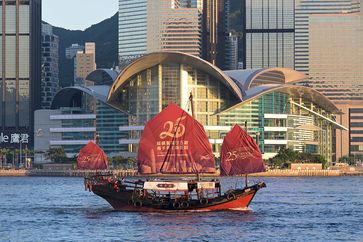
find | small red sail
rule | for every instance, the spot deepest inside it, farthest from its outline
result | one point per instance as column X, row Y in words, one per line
column 92, row 157
column 178, row 139
column 240, row 154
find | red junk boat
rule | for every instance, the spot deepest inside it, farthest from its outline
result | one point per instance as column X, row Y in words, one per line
column 175, row 143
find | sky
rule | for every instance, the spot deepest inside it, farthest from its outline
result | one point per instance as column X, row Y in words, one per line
column 77, row 14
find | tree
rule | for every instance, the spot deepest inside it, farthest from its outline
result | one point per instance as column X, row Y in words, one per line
column 122, row 162
column 3, row 156
column 57, row 155
column 287, row 156
column 283, row 158
column 350, row 160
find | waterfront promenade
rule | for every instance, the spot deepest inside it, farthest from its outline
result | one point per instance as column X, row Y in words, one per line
column 133, row 173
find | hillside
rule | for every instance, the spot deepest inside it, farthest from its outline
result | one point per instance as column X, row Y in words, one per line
column 104, row 34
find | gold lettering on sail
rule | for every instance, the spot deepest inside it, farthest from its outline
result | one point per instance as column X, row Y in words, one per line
column 89, row 158
column 171, row 129
column 239, row 154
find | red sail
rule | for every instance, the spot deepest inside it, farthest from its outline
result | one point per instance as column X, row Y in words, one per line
column 240, row 154
column 178, row 139
column 92, row 157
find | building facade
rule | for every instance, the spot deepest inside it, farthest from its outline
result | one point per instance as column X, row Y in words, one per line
column 158, row 25
column 266, row 102
column 78, row 115
column 308, row 8
column 215, row 31
column 84, row 63
column 50, row 68
column 267, row 33
column 72, row 50
column 231, row 52
column 20, row 71
column 335, row 65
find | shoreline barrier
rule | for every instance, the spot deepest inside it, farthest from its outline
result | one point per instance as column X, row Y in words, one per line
column 133, row 173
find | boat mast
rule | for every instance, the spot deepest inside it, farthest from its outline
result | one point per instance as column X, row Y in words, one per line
column 193, row 115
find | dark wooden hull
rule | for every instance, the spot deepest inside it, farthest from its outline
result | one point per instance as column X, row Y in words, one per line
column 124, row 200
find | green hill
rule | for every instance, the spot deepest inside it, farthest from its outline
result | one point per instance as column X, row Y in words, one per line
column 104, row 34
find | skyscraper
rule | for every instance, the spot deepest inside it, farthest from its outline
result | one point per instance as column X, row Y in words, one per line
column 158, row 25
column 231, row 52
column 20, row 70
column 50, row 69
column 307, row 8
column 72, row 50
column 215, row 31
column 323, row 39
column 267, row 33
column 84, row 63
column 334, row 61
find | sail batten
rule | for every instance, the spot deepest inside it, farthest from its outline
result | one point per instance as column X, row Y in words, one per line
column 174, row 143
column 240, row 154
column 92, row 157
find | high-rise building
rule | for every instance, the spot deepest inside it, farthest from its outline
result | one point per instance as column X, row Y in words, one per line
column 336, row 55
column 72, row 50
column 20, row 70
column 215, row 31
column 158, row 25
column 84, row 63
column 304, row 9
column 50, row 69
column 267, row 34
column 335, row 67
column 322, row 39
column 231, row 52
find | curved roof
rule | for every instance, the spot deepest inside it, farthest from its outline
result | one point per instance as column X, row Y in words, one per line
column 65, row 96
column 102, row 76
column 294, row 90
column 247, row 79
column 153, row 59
column 245, row 84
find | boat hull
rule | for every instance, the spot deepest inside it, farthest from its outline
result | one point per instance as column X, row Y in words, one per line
column 124, row 200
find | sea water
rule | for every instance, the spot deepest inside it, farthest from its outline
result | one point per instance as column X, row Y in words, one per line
column 288, row 209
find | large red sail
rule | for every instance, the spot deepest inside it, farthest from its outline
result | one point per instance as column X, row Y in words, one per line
column 92, row 157
column 240, row 154
column 175, row 142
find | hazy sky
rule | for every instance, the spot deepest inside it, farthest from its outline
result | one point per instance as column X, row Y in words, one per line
column 77, row 14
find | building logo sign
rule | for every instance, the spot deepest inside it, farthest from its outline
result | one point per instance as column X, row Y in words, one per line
column 13, row 139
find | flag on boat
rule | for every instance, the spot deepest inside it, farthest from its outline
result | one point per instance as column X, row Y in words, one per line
column 240, row 154
column 174, row 142
column 92, row 157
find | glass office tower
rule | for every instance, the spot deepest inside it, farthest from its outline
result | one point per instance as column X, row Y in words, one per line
column 20, row 68
column 267, row 33
column 304, row 10
column 158, row 25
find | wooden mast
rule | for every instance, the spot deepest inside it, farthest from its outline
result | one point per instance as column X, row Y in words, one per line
column 193, row 115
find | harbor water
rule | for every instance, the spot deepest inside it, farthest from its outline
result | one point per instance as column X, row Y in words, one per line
column 289, row 209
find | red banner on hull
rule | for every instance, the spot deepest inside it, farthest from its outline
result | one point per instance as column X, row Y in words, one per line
column 92, row 157
column 240, row 154
column 175, row 142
